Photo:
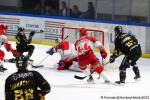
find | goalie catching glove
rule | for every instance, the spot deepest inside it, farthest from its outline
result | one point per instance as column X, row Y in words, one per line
column 51, row 51
column 103, row 53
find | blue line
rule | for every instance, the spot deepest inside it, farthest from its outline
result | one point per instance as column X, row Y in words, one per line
column 77, row 19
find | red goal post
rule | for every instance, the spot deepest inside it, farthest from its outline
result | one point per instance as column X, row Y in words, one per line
column 72, row 34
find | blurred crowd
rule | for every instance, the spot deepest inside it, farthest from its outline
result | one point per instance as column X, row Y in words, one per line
column 63, row 10
column 90, row 9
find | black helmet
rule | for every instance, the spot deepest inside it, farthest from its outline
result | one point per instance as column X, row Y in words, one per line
column 20, row 29
column 21, row 62
column 118, row 29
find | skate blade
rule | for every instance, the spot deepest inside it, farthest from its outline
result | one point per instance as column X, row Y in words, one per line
column 3, row 71
column 116, row 84
column 90, row 82
column 38, row 66
column 107, row 82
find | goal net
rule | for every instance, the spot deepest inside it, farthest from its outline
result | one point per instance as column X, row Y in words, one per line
column 72, row 35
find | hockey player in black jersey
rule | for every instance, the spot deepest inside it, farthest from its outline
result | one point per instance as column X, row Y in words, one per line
column 128, row 45
column 23, row 42
column 25, row 84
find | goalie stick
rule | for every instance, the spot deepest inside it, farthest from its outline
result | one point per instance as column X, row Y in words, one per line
column 83, row 77
column 39, row 64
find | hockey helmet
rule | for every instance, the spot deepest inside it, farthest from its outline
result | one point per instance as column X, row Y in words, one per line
column 3, row 29
column 21, row 62
column 118, row 30
column 83, row 31
column 20, row 29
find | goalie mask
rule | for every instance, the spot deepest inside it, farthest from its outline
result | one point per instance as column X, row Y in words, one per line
column 21, row 62
column 118, row 30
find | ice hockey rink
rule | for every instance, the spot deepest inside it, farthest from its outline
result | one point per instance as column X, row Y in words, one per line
column 65, row 87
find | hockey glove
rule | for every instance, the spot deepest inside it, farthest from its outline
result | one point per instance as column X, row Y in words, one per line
column 112, row 58
column 15, row 53
column 30, row 37
column 103, row 53
column 31, row 34
column 51, row 51
column 40, row 95
column 7, row 46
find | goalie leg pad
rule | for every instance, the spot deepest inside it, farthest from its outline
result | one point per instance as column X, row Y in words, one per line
column 68, row 64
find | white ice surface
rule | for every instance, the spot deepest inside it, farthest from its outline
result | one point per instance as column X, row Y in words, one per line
column 65, row 87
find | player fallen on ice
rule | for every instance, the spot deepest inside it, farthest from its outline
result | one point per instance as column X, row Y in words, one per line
column 68, row 55
column 25, row 84
column 23, row 43
column 86, row 57
column 128, row 45
column 7, row 45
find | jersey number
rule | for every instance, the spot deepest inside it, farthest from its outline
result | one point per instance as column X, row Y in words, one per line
column 19, row 94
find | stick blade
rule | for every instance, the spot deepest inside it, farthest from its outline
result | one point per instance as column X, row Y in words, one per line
column 79, row 77
column 37, row 66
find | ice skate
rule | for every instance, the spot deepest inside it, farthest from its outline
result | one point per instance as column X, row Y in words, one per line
column 2, row 69
column 90, row 80
column 107, row 81
column 137, row 78
column 137, row 73
column 61, row 68
column 121, row 83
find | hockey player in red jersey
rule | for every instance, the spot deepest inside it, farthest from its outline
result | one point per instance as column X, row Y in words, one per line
column 67, row 52
column 84, row 46
column 7, row 45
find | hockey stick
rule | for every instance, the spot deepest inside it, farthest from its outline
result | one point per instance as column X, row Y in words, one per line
column 38, row 65
column 79, row 77
column 66, row 37
column 41, row 31
column 83, row 77
column 13, row 60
